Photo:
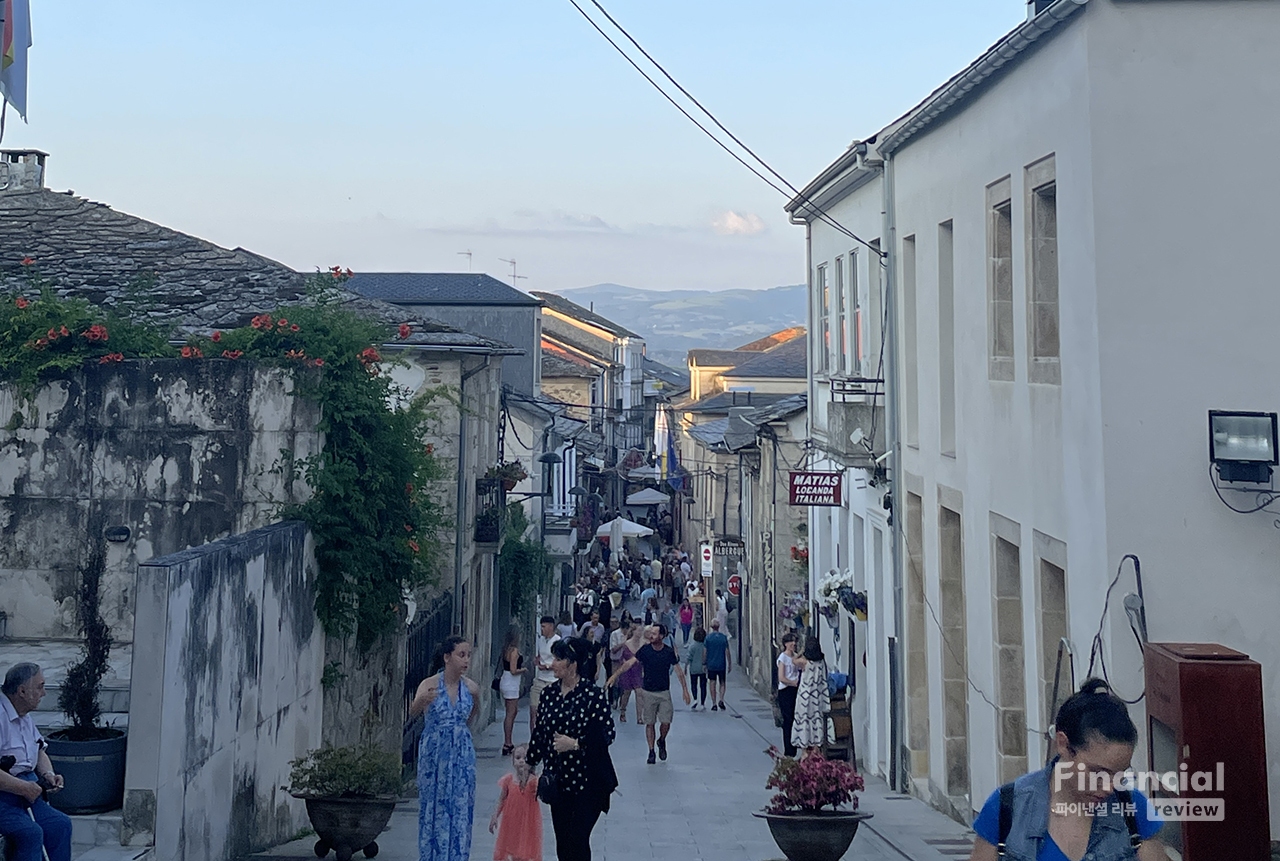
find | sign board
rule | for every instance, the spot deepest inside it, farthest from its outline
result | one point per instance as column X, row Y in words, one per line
column 731, row 548
column 706, row 559
column 735, row 585
column 817, row 488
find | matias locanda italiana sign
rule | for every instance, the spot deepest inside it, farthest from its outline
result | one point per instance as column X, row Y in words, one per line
column 817, row 488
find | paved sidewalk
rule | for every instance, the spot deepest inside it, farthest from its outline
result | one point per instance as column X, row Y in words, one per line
column 696, row 806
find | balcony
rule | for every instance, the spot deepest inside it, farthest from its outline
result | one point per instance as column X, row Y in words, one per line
column 856, row 421
column 491, row 506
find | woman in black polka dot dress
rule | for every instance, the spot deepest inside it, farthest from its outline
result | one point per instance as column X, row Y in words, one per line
column 572, row 738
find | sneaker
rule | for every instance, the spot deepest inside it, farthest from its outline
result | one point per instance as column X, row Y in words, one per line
column 662, row 750
column 653, row 759
column 715, row 708
column 722, row 708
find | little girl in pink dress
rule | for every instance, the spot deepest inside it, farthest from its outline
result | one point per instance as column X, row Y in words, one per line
column 518, row 818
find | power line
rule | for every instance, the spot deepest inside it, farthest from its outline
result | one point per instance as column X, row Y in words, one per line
column 821, row 213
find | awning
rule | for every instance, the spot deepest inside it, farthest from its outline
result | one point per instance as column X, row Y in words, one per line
column 630, row 529
column 648, row 496
column 640, row 473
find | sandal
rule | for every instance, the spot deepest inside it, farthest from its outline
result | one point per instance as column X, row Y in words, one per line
column 507, row 749
column 622, row 718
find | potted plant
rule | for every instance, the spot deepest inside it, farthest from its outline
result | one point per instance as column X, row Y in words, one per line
column 511, row 473
column 90, row 757
column 800, row 825
column 350, row 793
column 489, row 526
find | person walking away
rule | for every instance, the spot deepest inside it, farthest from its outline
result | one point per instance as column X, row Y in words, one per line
column 722, row 610
column 517, row 818
column 656, row 659
column 513, row 671
column 718, row 664
column 566, row 629
column 27, row 822
column 1071, row 808
column 788, row 682
column 447, row 755
column 613, row 650
column 573, row 737
column 631, row 679
column 696, row 662
column 542, row 674
column 813, row 700
column 686, row 619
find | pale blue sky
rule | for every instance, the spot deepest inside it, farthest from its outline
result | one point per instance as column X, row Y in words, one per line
column 392, row 135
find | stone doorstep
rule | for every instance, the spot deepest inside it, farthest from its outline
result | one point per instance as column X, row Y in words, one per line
column 101, row 829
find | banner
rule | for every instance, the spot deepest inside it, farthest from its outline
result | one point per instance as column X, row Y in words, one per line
column 15, row 39
column 817, row 488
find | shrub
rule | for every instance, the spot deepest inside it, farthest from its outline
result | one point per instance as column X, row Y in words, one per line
column 811, row 783
column 346, row 772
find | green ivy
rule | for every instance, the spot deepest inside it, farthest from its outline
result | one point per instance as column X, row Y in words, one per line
column 522, row 563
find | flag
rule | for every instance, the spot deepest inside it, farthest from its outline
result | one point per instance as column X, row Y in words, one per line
column 662, row 442
column 15, row 39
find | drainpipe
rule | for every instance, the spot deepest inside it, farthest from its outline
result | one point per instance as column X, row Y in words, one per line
column 459, row 524
column 896, row 476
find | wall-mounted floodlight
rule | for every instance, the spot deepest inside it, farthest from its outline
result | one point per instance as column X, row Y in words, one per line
column 1243, row 445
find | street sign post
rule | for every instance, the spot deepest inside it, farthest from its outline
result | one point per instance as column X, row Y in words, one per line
column 705, row 549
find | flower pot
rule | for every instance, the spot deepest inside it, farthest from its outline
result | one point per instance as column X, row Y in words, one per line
column 348, row 825
column 820, row 835
column 93, row 771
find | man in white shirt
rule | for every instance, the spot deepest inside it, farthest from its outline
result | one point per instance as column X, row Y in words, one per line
column 542, row 675
column 27, row 822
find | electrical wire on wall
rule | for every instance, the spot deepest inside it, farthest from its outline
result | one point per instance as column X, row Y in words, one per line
column 1097, row 647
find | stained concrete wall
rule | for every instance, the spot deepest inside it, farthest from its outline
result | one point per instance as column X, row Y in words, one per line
column 225, row 692
column 181, row 453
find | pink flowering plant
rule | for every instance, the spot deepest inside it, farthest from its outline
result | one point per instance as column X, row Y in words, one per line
column 808, row 784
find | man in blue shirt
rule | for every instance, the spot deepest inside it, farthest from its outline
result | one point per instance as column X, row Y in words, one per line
column 27, row 822
column 717, row 664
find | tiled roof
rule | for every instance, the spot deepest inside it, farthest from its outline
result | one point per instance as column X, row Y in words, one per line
column 769, row 341
column 785, row 361
column 586, row 315
column 90, row 250
column 558, row 363
column 437, row 288
column 719, row 358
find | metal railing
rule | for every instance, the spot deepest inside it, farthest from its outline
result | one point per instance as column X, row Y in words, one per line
column 427, row 632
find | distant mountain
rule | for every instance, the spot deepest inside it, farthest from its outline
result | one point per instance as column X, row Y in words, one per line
column 676, row 321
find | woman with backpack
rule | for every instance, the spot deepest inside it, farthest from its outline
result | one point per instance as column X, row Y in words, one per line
column 1070, row 810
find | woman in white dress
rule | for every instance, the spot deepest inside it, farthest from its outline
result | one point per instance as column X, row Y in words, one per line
column 813, row 700
column 509, row 685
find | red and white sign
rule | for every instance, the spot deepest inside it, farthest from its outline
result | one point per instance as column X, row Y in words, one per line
column 706, row 560
column 817, row 488
column 735, row 585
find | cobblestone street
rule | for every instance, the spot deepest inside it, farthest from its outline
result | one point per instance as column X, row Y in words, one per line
column 697, row 805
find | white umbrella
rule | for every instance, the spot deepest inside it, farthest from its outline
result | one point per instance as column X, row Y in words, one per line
column 648, row 496
column 642, row 472
column 627, row 528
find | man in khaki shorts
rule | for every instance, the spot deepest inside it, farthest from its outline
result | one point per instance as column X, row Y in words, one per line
column 656, row 658
column 542, row 675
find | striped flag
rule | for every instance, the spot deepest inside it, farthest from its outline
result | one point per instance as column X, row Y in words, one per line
column 662, row 443
column 15, row 39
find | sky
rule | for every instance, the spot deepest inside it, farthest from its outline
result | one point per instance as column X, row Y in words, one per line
column 391, row 136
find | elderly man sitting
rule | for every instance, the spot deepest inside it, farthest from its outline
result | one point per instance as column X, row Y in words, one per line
column 27, row 822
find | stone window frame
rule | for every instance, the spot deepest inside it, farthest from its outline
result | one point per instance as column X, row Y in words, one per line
column 1039, row 176
column 1009, row 699
column 1000, row 366
column 1046, row 548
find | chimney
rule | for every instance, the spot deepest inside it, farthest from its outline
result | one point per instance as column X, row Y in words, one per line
column 1035, row 7
column 22, row 169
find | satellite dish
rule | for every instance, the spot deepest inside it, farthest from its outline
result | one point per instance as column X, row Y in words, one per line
column 857, row 436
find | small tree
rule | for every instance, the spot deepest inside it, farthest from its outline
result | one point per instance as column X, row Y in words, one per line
column 79, row 697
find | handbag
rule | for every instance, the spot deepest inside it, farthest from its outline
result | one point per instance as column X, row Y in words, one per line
column 548, row 787
column 496, row 684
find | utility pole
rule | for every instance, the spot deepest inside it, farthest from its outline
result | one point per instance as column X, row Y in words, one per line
column 514, row 276
column 466, row 254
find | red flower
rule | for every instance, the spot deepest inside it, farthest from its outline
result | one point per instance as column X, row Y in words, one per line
column 27, row 261
column 335, row 271
column 413, row 545
column 282, row 323
column 217, row 336
column 404, row 331
column 111, row 357
column 52, row 335
column 295, row 328
column 64, row 332
column 41, row 343
column 408, row 491
column 262, row 321
column 296, row 354
column 348, row 273
column 369, row 355
column 96, row 332
column 232, row 354
column 317, row 363
column 190, row 352
column 21, row 303
column 407, row 527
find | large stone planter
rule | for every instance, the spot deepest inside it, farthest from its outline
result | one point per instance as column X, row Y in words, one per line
column 348, row 825
column 92, row 770
column 817, row 836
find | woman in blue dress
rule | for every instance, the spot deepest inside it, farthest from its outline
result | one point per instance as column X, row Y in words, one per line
column 446, row 755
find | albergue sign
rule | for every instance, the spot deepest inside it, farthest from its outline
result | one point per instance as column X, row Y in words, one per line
column 817, row 488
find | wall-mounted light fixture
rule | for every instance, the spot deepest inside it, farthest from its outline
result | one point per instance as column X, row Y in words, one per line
column 1242, row 445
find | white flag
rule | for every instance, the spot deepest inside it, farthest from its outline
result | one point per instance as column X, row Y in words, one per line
column 15, row 39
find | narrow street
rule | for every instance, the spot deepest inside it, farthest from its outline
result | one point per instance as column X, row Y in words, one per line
column 697, row 805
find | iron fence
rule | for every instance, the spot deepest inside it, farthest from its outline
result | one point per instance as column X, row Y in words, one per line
column 426, row 633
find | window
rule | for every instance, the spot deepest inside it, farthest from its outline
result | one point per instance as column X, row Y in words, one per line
column 946, row 340
column 824, row 320
column 1042, row 318
column 911, row 383
column 875, row 309
column 855, row 317
column 842, row 346
column 1000, row 281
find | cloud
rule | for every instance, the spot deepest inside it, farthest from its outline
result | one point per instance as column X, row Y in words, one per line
column 731, row 223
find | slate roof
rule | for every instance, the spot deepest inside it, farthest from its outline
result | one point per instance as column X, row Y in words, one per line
column 561, row 364
column 710, row 434
column 669, row 376
column 573, row 309
column 721, row 402
column 789, row 360
column 90, row 250
column 740, row 430
column 438, row 288
column 719, row 358
column 768, row 341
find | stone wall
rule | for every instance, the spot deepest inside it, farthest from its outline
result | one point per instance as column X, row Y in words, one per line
column 178, row 453
column 226, row 691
